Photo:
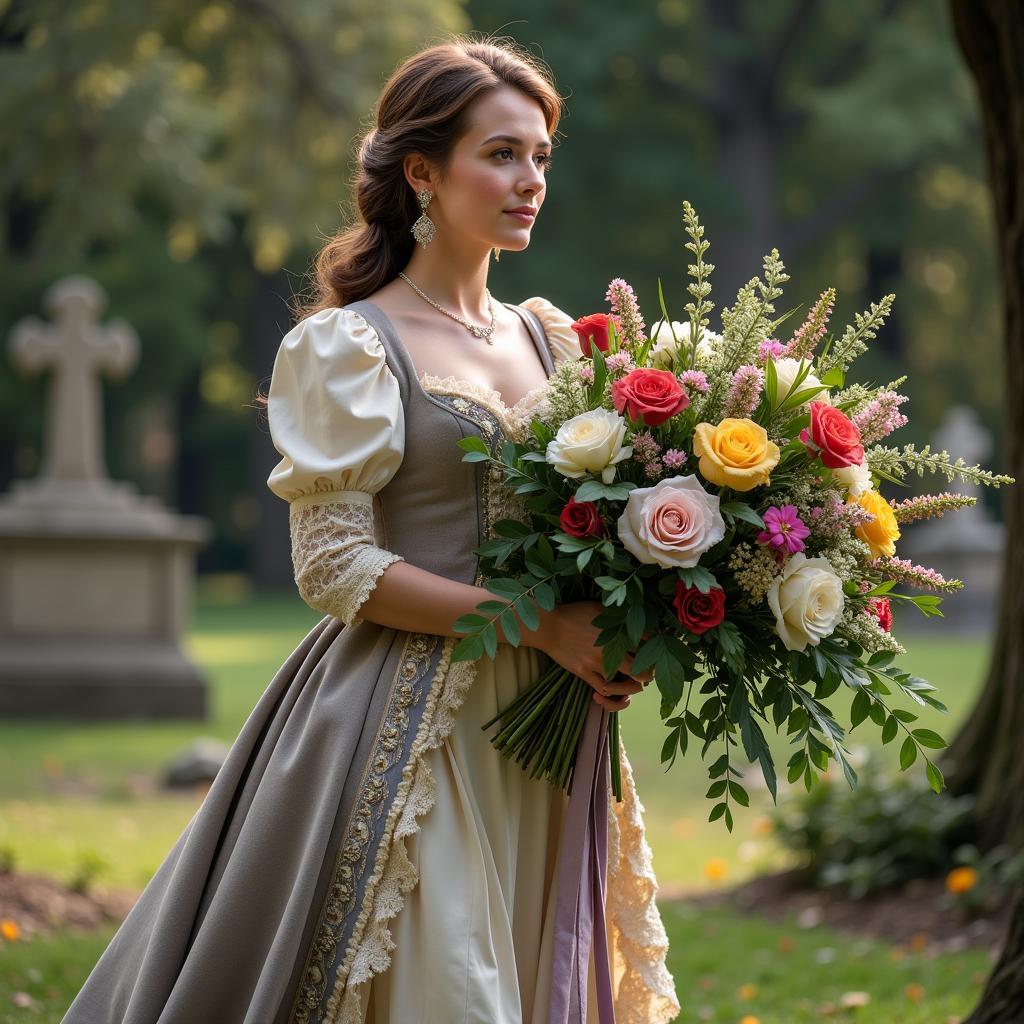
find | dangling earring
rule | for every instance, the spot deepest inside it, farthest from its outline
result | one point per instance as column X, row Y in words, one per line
column 497, row 254
column 423, row 228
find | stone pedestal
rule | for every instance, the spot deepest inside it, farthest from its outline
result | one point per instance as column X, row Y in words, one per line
column 94, row 598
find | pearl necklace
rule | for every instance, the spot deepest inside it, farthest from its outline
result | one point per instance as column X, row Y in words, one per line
column 479, row 332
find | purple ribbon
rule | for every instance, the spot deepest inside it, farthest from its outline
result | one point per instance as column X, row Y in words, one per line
column 582, row 879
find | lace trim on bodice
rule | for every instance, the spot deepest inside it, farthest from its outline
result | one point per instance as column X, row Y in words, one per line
column 512, row 418
column 335, row 557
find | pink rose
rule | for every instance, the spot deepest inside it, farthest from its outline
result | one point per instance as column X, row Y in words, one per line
column 671, row 524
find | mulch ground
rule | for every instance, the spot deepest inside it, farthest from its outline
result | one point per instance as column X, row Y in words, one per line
column 39, row 905
column 916, row 915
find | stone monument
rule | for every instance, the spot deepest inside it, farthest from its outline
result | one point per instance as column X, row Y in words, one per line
column 966, row 544
column 95, row 579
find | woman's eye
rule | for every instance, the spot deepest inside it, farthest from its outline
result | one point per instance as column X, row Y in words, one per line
column 545, row 158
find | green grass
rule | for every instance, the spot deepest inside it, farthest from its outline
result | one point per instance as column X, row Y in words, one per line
column 726, row 966
column 798, row 974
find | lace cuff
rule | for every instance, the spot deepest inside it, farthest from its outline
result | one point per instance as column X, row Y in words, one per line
column 334, row 551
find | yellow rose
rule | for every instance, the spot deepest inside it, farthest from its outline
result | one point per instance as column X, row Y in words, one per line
column 736, row 453
column 882, row 533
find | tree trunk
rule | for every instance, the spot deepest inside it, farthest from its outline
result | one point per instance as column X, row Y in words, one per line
column 985, row 759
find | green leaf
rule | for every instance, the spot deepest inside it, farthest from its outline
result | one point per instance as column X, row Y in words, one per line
column 505, row 587
column 716, row 789
column 472, row 443
column 739, row 794
column 469, row 648
column 741, row 510
column 528, row 613
column 927, row 738
column 717, row 811
column 859, row 708
column 908, row 753
column 544, row 595
column 668, row 748
column 476, row 457
column 890, row 729
column 510, row 626
column 935, row 779
column 489, row 635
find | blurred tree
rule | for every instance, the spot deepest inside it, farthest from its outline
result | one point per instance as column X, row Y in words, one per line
column 154, row 140
column 841, row 133
column 985, row 758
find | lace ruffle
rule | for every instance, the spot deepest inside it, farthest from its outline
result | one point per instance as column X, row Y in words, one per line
column 646, row 991
column 394, row 874
column 334, row 554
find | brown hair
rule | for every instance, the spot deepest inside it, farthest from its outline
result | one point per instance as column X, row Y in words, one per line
column 423, row 109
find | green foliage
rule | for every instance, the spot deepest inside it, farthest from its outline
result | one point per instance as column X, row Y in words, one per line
column 886, row 832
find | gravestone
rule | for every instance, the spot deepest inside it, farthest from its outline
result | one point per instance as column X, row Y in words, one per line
column 95, row 580
column 966, row 544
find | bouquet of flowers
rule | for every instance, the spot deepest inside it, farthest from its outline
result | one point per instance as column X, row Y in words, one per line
column 719, row 493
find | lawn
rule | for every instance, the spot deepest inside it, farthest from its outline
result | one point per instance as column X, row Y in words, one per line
column 77, row 797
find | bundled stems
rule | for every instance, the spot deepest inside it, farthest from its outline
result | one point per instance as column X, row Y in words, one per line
column 541, row 728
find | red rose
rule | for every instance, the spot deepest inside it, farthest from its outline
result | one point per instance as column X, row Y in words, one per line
column 833, row 437
column 880, row 607
column 581, row 519
column 699, row 612
column 651, row 396
column 593, row 330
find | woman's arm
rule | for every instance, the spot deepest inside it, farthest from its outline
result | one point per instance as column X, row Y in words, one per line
column 407, row 597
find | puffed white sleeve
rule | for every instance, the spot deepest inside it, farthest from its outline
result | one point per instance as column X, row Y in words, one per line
column 562, row 339
column 337, row 420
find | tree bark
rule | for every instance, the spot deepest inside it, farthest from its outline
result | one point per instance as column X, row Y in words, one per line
column 985, row 758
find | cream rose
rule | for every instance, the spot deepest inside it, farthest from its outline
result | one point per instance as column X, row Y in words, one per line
column 663, row 351
column 786, row 370
column 671, row 524
column 589, row 443
column 807, row 600
column 856, row 479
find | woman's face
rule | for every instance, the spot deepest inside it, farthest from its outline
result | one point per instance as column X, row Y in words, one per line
column 490, row 175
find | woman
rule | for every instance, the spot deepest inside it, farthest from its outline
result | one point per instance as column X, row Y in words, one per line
column 365, row 854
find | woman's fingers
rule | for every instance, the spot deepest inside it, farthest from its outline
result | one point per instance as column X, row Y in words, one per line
column 643, row 677
column 612, row 703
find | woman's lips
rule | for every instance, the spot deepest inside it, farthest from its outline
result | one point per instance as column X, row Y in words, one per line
column 526, row 218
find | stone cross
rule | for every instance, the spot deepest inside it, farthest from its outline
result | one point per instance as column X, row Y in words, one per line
column 76, row 349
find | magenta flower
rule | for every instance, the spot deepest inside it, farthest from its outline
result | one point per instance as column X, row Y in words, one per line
column 785, row 529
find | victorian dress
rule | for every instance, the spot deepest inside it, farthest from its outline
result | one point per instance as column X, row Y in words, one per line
column 365, row 854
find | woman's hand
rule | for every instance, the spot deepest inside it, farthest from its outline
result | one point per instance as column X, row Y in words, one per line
column 567, row 635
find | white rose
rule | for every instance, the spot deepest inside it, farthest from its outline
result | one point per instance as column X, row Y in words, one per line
column 663, row 351
column 671, row 524
column 589, row 443
column 856, row 479
column 786, row 370
column 807, row 600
